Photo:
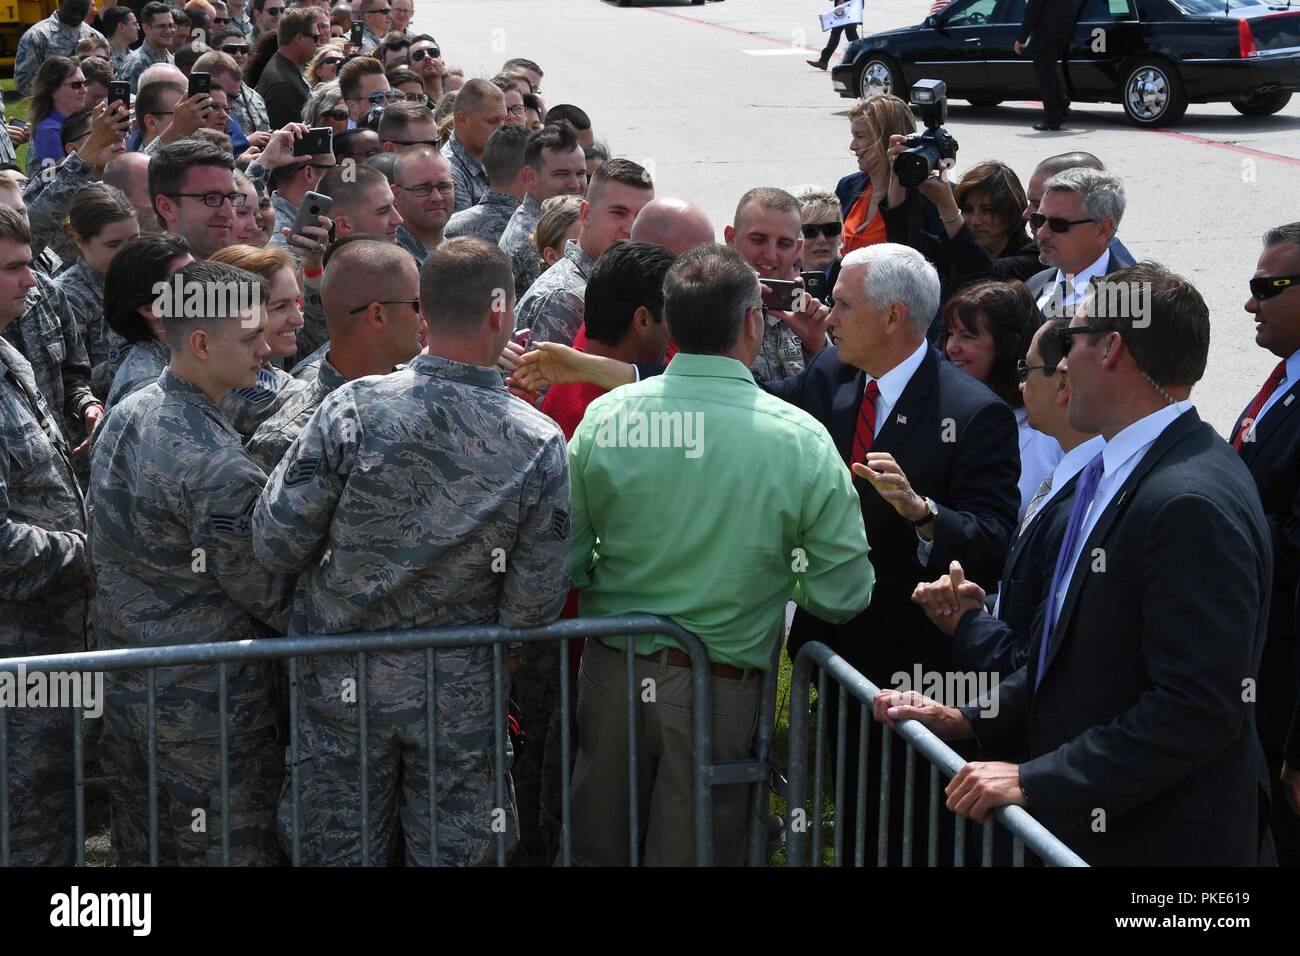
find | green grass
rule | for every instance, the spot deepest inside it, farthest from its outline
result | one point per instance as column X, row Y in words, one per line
column 781, row 760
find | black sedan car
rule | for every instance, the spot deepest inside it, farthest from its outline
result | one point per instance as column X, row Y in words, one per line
column 1153, row 56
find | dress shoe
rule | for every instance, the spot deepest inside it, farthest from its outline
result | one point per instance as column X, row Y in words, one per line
column 820, row 64
column 1044, row 126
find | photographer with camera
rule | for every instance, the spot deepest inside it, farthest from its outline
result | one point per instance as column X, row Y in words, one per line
column 981, row 234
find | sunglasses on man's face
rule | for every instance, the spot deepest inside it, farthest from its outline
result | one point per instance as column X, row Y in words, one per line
column 1265, row 287
column 1023, row 369
column 220, row 21
column 273, row 11
column 1057, row 224
column 335, row 114
column 432, row 52
column 1067, row 335
column 384, row 96
column 812, row 230
column 235, row 49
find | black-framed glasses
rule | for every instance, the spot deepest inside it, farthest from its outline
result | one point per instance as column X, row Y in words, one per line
column 413, row 303
column 273, row 11
column 215, row 200
column 414, row 98
column 1023, row 369
column 1068, row 333
column 1057, row 224
column 386, row 11
column 235, row 49
column 424, row 189
column 1265, row 287
column 220, row 21
column 811, row 230
column 331, row 61
column 516, row 110
column 418, row 55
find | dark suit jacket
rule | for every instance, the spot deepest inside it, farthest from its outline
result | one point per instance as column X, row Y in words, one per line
column 1001, row 645
column 1139, row 723
column 957, row 443
column 285, row 91
column 1048, row 21
column 1273, row 458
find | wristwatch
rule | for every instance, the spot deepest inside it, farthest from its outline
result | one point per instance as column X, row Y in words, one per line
column 931, row 513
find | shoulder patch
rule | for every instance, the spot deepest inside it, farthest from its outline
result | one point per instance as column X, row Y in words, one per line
column 240, row 525
column 301, row 472
column 560, row 524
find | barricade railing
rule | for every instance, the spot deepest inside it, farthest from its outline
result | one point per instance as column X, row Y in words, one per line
column 1023, row 828
column 221, row 654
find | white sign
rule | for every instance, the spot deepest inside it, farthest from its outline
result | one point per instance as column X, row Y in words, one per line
column 842, row 15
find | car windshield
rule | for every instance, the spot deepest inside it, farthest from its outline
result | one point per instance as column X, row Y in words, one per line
column 1203, row 7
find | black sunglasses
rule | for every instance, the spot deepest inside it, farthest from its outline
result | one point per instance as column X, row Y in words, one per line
column 413, row 303
column 235, row 49
column 1023, row 369
column 418, row 55
column 331, row 61
column 335, row 114
column 1055, row 223
column 1068, row 333
column 812, row 230
column 1265, row 287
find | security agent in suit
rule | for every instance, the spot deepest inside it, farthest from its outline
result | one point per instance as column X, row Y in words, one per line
column 1138, row 742
column 980, row 643
column 939, row 481
column 1267, row 436
column 1074, row 227
column 1046, row 33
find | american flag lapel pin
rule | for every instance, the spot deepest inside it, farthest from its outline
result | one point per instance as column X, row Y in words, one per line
column 901, row 419
column 1288, row 400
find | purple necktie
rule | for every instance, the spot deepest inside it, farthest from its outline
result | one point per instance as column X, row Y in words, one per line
column 1084, row 492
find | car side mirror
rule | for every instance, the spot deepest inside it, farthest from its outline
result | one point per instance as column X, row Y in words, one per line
column 929, row 21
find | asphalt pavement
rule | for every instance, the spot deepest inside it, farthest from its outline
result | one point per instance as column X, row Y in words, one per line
column 716, row 99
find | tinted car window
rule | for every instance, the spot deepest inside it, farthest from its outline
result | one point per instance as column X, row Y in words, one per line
column 1203, row 7
column 1095, row 10
column 967, row 13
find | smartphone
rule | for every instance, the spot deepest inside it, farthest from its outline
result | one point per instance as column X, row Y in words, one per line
column 523, row 338
column 814, row 283
column 312, row 206
column 784, row 295
column 119, row 91
column 20, row 123
column 318, row 140
column 358, row 31
column 199, row 83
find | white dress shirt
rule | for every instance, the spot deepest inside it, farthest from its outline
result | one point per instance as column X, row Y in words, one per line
column 1077, row 288
column 1121, row 456
column 1039, row 454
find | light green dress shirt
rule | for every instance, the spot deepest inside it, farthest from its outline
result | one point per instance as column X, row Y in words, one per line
column 699, row 497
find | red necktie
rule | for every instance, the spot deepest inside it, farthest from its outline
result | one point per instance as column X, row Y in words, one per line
column 1256, row 403
column 866, row 430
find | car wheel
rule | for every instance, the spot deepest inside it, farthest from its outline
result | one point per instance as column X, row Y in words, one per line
column 984, row 104
column 1152, row 93
column 1262, row 104
column 879, row 74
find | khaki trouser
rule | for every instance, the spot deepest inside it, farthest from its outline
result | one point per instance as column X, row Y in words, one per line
column 666, row 826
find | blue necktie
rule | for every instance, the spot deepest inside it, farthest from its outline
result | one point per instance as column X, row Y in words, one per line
column 1084, row 492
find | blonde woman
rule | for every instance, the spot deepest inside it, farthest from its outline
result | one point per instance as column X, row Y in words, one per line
column 324, row 66
column 557, row 224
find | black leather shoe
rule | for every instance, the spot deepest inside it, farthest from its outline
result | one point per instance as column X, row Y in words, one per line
column 1044, row 126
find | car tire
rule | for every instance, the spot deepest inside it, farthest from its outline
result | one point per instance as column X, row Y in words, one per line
column 1262, row 104
column 878, row 74
column 1152, row 93
column 984, row 104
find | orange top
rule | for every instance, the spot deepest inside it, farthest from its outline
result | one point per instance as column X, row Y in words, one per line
column 856, row 234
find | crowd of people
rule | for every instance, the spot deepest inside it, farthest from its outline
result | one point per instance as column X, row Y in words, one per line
column 467, row 367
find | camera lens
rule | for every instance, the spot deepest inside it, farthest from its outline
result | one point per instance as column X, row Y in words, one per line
column 913, row 165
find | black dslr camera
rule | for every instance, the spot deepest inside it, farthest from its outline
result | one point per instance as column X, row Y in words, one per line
column 935, row 148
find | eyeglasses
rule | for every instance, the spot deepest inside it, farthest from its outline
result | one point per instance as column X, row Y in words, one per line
column 1265, row 287
column 218, row 21
column 517, row 110
column 273, row 11
column 414, row 98
column 413, row 303
column 387, row 11
column 76, row 84
column 235, row 49
column 1023, row 369
column 161, row 113
column 384, row 96
column 215, row 200
column 331, row 61
column 320, row 165
column 336, row 114
column 314, row 37
column 418, row 55
column 812, row 230
column 1055, row 223
column 424, row 189
column 1067, row 335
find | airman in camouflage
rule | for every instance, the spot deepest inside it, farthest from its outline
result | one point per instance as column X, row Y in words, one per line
column 56, row 35
column 170, row 532
column 309, row 367
column 143, row 364
column 83, row 287
column 426, row 497
column 485, row 220
column 517, row 241
column 274, row 436
column 43, row 574
column 781, row 354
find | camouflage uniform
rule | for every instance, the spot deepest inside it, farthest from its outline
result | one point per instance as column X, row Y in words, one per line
column 118, row 60
column 84, row 289
column 466, row 172
column 517, row 242
column 485, row 220
column 250, row 110
column 274, row 436
column 416, row 247
column 7, row 152
column 140, row 60
column 169, row 530
column 49, row 196
column 393, row 505
column 42, row 607
column 247, row 408
column 285, row 214
column 50, row 37
column 141, row 366
column 781, row 355
column 47, row 336
column 314, row 332
column 552, row 307
column 309, row 367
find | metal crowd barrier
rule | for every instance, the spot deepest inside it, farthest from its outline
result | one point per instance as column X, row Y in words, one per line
column 1026, row 831
column 706, row 774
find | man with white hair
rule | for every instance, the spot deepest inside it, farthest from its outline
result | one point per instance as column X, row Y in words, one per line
column 935, row 460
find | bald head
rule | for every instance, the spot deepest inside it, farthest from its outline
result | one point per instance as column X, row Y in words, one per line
column 675, row 224
column 129, row 172
column 162, row 73
column 362, row 270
